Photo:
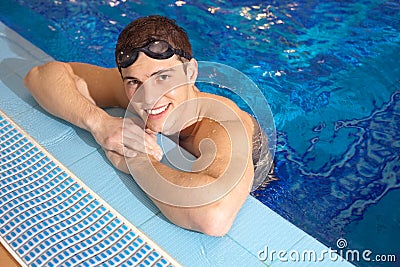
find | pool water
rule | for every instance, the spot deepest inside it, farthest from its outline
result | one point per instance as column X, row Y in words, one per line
column 329, row 70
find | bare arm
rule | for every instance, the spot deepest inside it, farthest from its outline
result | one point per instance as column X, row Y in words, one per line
column 65, row 94
column 215, row 218
column 76, row 92
column 104, row 84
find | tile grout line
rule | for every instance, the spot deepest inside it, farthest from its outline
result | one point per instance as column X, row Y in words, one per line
column 247, row 250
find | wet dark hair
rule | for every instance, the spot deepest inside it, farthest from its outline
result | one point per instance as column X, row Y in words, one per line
column 143, row 30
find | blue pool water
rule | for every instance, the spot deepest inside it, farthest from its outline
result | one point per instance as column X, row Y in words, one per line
column 329, row 70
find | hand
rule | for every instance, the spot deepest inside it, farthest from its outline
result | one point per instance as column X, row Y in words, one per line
column 137, row 138
column 126, row 137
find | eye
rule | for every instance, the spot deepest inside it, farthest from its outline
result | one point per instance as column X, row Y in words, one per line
column 163, row 77
column 133, row 82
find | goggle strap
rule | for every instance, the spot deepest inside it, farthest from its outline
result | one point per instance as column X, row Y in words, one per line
column 182, row 53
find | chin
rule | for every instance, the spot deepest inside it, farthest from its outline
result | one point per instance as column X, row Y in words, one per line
column 157, row 127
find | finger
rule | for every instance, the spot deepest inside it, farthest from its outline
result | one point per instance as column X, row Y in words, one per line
column 132, row 126
column 150, row 141
column 130, row 153
column 158, row 156
column 114, row 146
column 113, row 142
column 134, row 133
column 117, row 148
column 134, row 148
column 134, row 144
column 140, row 140
column 134, row 121
column 150, row 132
column 156, row 152
column 137, row 139
column 111, row 155
column 143, row 146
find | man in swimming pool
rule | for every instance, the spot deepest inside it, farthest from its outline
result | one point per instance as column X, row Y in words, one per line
column 154, row 59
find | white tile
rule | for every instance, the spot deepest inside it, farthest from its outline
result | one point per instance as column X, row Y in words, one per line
column 257, row 226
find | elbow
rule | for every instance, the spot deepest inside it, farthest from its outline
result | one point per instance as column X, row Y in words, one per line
column 31, row 77
column 217, row 223
column 216, row 231
column 39, row 75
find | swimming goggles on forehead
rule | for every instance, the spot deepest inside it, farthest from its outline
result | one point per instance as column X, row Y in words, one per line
column 154, row 49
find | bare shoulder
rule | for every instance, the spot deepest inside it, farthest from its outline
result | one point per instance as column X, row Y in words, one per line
column 244, row 116
column 223, row 99
column 231, row 136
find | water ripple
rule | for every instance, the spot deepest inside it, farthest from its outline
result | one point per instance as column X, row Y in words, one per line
column 344, row 186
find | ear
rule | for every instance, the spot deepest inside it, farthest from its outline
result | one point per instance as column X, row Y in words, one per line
column 192, row 70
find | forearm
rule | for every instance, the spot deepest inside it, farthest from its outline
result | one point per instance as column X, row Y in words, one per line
column 141, row 166
column 215, row 218
column 56, row 89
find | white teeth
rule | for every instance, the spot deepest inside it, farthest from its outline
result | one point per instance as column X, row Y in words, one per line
column 157, row 110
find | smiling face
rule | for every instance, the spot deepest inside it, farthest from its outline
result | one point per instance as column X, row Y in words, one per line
column 157, row 87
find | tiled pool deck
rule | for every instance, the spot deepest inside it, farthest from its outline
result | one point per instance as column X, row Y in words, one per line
column 255, row 228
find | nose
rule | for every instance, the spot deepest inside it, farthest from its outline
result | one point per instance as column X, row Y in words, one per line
column 148, row 94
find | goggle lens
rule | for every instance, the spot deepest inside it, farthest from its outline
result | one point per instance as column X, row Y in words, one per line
column 154, row 49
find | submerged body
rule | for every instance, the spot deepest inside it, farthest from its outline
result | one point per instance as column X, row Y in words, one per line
column 262, row 159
